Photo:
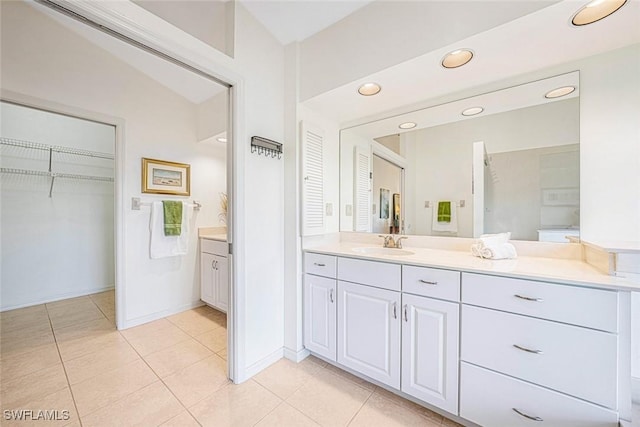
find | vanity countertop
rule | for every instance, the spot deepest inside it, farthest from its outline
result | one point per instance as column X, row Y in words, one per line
column 214, row 236
column 557, row 270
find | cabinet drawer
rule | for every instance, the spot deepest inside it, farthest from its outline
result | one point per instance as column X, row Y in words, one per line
column 320, row 265
column 592, row 308
column 215, row 247
column 491, row 399
column 574, row 360
column 372, row 273
column 431, row 282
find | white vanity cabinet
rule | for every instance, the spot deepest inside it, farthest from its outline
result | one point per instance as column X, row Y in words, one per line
column 492, row 350
column 430, row 331
column 320, row 306
column 430, row 351
column 549, row 352
column 369, row 331
column 214, row 273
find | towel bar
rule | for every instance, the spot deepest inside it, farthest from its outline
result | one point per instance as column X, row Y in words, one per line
column 136, row 204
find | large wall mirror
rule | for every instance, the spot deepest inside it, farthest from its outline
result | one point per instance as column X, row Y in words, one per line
column 503, row 161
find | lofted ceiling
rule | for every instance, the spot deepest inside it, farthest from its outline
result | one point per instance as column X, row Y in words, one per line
column 533, row 42
column 295, row 20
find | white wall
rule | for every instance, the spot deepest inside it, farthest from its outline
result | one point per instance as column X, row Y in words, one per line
column 63, row 246
column 42, row 59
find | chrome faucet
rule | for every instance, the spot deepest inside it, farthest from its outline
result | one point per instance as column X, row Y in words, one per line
column 392, row 242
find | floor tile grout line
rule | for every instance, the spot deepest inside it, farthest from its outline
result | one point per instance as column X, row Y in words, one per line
column 64, row 367
column 162, row 381
column 100, row 308
column 360, row 408
column 277, row 397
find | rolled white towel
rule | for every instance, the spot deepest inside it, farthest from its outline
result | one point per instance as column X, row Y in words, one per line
column 495, row 239
column 476, row 250
column 502, row 251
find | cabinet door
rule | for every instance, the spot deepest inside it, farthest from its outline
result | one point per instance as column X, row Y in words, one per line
column 222, row 283
column 207, row 278
column 320, row 315
column 430, row 351
column 369, row 331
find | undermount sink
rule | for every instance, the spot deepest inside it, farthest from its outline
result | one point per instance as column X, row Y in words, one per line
column 382, row 251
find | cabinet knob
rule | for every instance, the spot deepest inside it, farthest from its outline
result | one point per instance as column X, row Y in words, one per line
column 530, row 417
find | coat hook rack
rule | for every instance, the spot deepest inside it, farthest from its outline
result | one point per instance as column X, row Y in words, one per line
column 266, row 146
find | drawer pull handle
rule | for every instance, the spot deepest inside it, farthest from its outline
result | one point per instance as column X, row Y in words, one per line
column 528, row 298
column 331, row 295
column 528, row 350
column 522, row 414
column 427, row 282
column 406, row 317
column 395, row 310
column 319, row 264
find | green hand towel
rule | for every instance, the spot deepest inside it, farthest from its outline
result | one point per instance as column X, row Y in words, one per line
column 444, row 211
column 172, row 217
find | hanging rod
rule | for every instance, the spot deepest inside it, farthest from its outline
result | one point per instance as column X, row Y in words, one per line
column 58, row 149
column 56, row 174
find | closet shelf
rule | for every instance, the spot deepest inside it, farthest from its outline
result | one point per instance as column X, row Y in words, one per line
column 54, row 148
column 54, row 175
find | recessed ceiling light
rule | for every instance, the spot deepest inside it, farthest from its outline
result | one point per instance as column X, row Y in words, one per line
column 457, row 58
column 407, row 125
column 561, row 91
column 221, row 139
column 596, row 10
column 472, row 111
column 369, row 89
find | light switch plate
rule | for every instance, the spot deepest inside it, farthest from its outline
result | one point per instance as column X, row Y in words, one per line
column 329, row 209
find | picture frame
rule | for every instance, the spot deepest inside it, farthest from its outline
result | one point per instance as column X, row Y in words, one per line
column 165, row 177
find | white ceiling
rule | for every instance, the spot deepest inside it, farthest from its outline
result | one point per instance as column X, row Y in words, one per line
column 295, row 20
column 536, row 41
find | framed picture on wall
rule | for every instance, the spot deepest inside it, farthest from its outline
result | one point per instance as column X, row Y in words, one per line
column 384, row 203
column 163, row 177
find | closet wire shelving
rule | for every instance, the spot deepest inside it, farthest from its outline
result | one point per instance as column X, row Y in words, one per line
column 54, row 149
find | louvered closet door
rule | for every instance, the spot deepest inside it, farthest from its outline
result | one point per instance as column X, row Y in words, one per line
column 362, row 189
column 312, row 180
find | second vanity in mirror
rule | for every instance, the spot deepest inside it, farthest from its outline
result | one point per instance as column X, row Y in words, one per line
column 505, row 161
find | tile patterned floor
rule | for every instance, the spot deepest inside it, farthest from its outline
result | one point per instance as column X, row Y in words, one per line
column 67, row 355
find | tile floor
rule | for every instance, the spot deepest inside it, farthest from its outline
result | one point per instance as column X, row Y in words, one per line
column 67, row 355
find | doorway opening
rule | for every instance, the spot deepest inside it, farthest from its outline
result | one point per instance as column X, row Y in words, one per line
column 162, row 110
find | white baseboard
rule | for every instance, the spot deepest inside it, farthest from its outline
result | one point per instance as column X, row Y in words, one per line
column 130, row 323
column 262, row 364
column 58, row 297
column 296, row 356
column 635, row 390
